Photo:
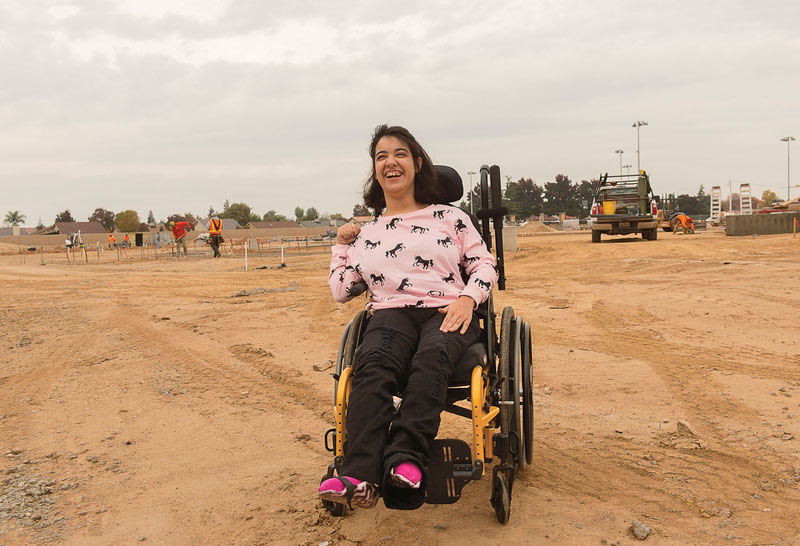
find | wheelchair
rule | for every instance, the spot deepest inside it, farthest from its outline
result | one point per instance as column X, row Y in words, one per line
column 494, row 376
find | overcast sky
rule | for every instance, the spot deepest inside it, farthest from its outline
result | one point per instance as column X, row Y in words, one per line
column 177, row 105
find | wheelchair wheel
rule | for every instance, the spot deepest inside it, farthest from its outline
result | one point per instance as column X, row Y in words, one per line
column 501, row 500
column 335, row 509
column 509, row 372
column 527, row 392
column 350, row 340
column 517, row 393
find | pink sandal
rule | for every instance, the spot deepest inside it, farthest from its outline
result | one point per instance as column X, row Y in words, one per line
column 349, row 491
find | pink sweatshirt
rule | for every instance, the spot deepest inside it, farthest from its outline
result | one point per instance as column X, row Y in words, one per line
column 414, row 260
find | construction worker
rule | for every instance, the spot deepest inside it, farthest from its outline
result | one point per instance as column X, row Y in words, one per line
column 215, row 234
column 179, row 231
column 681, row 220
column 111, row 241
column 126, row 241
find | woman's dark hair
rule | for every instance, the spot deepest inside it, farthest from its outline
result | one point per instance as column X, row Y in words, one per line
column 426, row 184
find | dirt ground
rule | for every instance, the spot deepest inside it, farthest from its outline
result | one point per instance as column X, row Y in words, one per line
column 142, row 403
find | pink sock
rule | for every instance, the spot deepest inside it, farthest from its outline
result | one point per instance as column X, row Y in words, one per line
column 335, row 485
column 409, row 472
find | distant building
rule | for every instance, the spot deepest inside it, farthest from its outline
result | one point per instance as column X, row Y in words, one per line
column 278, row 224
column 65, row 228
column 227, row 223
column 13, row 231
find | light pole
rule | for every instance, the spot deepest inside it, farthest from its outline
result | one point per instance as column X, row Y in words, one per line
column 788, row 140
column 638, row 124
column 620, row 152
column 471, row 208
column 628, row 167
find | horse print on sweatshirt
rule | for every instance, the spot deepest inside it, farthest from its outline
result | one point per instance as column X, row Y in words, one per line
column 422, row 259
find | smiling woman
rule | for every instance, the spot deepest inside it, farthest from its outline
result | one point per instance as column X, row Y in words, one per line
column 395, row 151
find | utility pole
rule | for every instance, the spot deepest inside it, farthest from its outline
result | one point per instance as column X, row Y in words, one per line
column 620, row 152
column 638, row 124
column 788, row 140
column 471, row 208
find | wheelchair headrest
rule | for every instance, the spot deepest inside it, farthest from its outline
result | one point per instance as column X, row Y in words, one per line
column 450, row 181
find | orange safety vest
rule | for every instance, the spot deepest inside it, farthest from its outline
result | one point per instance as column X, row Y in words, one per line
column 110, row 238
column 215, row 227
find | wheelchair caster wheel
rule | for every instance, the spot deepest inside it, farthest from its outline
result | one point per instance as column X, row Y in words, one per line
column 500, row 498
column 335, row 509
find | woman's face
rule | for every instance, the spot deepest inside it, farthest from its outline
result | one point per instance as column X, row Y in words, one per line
column 394, row 167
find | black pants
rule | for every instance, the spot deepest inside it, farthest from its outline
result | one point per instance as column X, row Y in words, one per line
column 403, row 352
column 214, row 240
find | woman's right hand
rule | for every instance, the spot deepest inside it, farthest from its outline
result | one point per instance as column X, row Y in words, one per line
column 347, row 234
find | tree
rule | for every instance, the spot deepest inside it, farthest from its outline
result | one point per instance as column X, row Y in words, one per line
column 311, row 214
column 769, row 198
column 127, row 220
column 272, row 216
column 105, row 217
column 211, row 211
column 337, row 216
column 65, row 216
column 562, row 196
column 586, row 195
column 175, row 218
column 241, row 213
column 523, row 198
column 298, row 213
column 361, row 210
column 143, row 228
column 39, row 224
column 14, row 218
column 690, row 204
column 151, row 220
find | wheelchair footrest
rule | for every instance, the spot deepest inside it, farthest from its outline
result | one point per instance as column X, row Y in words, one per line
column 449, row 469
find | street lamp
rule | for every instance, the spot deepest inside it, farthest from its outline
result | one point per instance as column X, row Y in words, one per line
column 470, row 173
column 638, row 124
column 628, row 167
column 788, row 140
column 620, row 152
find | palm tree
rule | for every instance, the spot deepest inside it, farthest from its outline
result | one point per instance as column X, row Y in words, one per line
column 14, row 218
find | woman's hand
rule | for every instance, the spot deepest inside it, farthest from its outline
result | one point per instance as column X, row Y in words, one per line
column 347, row 234
column 459, row 315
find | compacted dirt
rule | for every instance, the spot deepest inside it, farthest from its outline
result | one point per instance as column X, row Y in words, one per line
column 141, row 402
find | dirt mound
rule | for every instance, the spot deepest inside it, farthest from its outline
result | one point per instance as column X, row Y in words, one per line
column 535, row 226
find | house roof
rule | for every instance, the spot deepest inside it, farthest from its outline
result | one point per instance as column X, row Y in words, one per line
column 277, row 224
column 74, row 227
column 227, row 223
column 314, row 223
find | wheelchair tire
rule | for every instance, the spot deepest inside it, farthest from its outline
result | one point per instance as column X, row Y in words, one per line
column 509, row 372
column 506, row 332
column 501, row 500
column 352, row 338
column 335, row 509
column 515, row 371
column 527, row 392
